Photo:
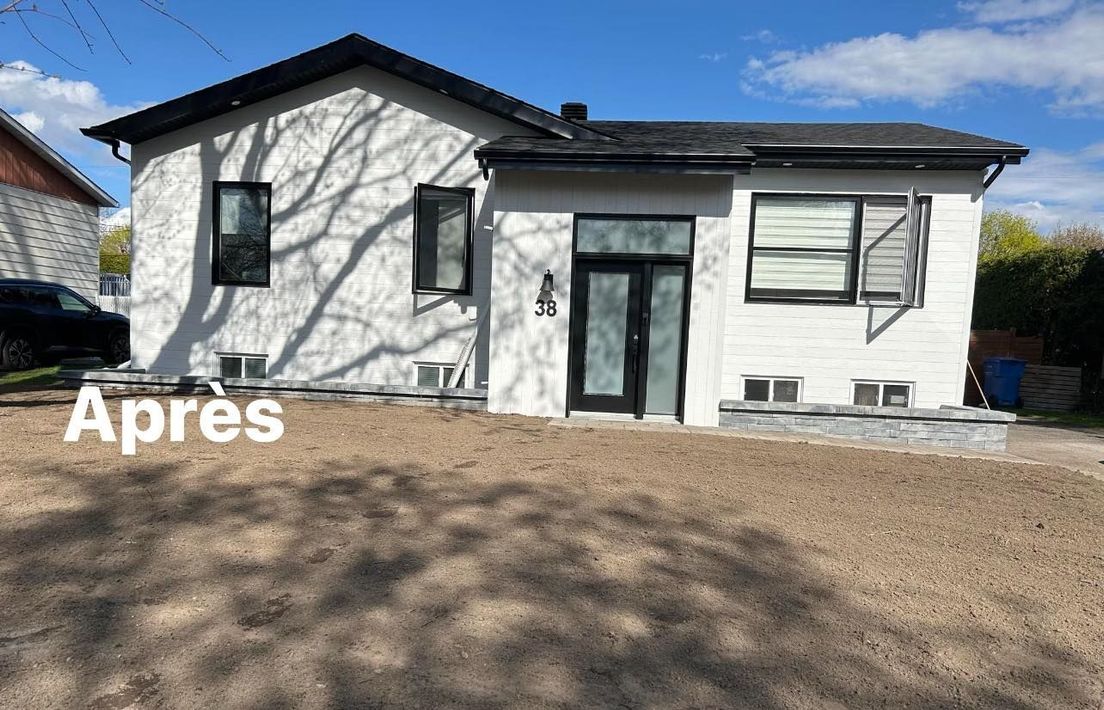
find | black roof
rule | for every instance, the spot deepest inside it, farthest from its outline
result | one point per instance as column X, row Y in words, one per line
column 706, row 143
column 341, row 55
column 673, row 144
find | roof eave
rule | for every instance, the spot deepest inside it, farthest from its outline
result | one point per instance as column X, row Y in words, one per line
column 51, row 156
column 319, row 63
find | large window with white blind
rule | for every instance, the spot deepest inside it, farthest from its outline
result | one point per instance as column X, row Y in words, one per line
column 837, row 249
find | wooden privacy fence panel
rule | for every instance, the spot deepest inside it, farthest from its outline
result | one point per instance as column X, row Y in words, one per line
column 998, row 343
column 1050, row 387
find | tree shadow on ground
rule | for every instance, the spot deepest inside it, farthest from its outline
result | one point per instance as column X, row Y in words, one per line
column 359, row 584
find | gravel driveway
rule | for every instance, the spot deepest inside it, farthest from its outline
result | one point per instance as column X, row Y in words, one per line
column 401, row 557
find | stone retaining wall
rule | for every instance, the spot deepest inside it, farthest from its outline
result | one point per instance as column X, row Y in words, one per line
column 454, row 398
column 958, row 427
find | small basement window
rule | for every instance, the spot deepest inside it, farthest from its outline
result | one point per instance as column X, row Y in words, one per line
column 248, row 366
column 882, row 394
column 436, row 374
column 772, row 389
column 442, row 239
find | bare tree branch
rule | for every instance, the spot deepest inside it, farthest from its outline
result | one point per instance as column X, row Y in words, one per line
column 109, row 32
column 19, row 13
column 28, row 70
column 76, row 23
column 185, row 25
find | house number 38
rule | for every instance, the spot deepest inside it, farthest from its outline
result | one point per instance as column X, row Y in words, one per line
column 546, row 308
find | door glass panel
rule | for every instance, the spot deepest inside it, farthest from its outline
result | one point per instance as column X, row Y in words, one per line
column 607, row 316
column 665, row 339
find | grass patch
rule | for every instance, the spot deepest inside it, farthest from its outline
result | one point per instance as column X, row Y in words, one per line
column 1073, row 419
column 22, row 380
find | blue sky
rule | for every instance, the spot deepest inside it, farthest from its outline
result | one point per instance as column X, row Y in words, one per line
column 1030, row 71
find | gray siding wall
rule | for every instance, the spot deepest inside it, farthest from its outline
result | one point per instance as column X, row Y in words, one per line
column 49, row 238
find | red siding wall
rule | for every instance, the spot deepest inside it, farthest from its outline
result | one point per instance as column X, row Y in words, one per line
column 22, row 167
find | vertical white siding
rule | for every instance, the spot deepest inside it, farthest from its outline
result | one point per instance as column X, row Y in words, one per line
column 343, row 156
column 533, row 232
column 49, row 238
column 829, row 346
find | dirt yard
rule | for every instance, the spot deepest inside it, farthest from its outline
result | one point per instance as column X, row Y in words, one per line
column 401, row 557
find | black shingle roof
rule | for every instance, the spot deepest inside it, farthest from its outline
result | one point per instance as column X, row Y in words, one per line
column 761, row 143
column 713, row 145
column 340, row 55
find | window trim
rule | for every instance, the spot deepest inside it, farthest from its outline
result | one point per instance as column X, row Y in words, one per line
column 219, row 354
column 881, row 392
column 770, row 391
column 853, row 296
column 469, row 249
column 216, row 232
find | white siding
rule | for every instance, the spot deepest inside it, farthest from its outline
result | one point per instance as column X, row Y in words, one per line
column 829, row 346
column 343, row 156
column 49, row 238
column 533, row 232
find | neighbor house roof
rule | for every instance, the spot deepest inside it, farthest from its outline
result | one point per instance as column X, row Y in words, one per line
column 51, row 157
column 725, row 144
column 341, row 55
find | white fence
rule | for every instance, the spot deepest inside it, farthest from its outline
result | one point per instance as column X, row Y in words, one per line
column 114, row 285
column 114, row 293
column 114, row 304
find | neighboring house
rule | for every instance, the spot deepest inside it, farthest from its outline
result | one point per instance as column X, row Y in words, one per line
column 353, row 213
column 49, row 214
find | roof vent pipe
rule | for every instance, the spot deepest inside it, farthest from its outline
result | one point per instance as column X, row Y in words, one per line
column 573, row 111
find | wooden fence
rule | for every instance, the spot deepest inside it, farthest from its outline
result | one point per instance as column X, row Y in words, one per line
column 1050, row 387
column 998, row 343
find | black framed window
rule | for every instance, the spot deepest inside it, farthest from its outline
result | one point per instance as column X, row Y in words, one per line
column 838, row 248
column 443, row 239
column 242, row 234
column 803, row 248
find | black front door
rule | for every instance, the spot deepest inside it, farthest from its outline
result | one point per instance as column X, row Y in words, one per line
column 606, row 335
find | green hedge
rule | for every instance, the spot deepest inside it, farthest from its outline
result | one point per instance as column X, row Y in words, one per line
column 1055, row 292
column 114, row 263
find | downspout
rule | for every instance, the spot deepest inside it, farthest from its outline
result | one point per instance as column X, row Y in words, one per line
column 114, row 143
column 991, row 178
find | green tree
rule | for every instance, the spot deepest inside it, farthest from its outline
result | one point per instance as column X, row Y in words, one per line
column 1005, row 234
column 115, row 251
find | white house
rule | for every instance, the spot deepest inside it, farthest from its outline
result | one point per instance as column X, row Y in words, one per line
column 354, row 214
column 49, row 213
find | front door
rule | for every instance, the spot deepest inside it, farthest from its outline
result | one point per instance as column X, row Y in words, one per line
column 606, row 337
column 627, row 339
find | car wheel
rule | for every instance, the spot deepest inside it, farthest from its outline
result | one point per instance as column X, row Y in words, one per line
column 118, row 348
column 17, row 352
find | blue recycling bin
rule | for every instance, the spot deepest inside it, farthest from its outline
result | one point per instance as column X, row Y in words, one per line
column 1002, row 380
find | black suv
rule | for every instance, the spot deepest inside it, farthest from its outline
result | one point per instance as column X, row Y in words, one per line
column 47, row 322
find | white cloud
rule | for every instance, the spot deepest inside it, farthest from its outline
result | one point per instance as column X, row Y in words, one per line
column 1064, row 58
column 1054, row 187
column 997, row 11
column 714, row 57
column 55, row 109
column 118, row 218
column 762, row 36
